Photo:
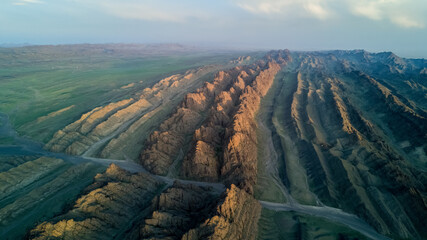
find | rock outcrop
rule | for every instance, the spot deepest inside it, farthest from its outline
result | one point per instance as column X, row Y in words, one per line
column 346, row 129
column 242, row 60
column 240, row 155
column 224, row 146
column 26, row 174
column 106, row 130
column 190, row 212
column 164, row 145
column 107, row 209
column 45, row 187
column 353, row 140
column 175, row 211
column 235, row 217
column 217, row 123
column 204, row 159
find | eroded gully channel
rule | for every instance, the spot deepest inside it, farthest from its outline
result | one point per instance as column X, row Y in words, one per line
column 271, row 162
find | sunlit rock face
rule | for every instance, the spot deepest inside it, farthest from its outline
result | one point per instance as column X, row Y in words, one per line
column 218, row 125
column 107, row 130
column 235, row 217
column 105, row 209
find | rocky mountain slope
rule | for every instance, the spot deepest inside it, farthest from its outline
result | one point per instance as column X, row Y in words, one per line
column 106, row 209
column 304, row 145
column 180, row 210
column 38, row 189
column 104, row 130
column 349, row 135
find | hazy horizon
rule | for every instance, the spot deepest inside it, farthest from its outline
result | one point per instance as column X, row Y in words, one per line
column 376, row 25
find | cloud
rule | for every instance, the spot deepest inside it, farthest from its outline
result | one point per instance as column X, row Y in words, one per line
column 285, row 8
column 149, row 10
column 316, row 10
column 264, row 7
column 406, row 22
column 369, row 10
column 395, row 11
column 25, row 2
column 402, row 13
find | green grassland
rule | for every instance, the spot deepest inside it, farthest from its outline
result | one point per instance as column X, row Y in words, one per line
column 36, row 82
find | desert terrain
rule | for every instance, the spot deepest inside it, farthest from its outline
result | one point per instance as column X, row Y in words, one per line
column 171, row 142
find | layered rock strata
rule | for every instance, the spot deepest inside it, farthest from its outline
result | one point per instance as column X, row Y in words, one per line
column 107, row 208
column 349, row 141
column 26, row 174
column 348, row 127
column 220, row 119
column 175, row 211
column 104, row 130
column 39, row 196
column 218, row 124
column 190, row 212
column 235, row 217
column 165, row 145
column 240, row 154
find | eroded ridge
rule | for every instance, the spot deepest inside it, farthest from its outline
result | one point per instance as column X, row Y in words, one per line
column 217, row 122
column 105, row 130
column 341, row 132
column 175, row 211
column 352, row 146
column 164, row 145
column 204, row 158
column 220, row 119
column 235, row 217
column 108, row 207
column 189, row 212
column 240, row 154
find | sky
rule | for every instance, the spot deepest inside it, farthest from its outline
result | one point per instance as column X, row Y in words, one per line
column 374, row 25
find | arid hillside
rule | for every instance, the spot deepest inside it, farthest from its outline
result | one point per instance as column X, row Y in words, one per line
column 287, row 145
column 349, row 130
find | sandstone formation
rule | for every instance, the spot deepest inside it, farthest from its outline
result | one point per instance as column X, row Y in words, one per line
column 353, row 140
column 104, row 130
column 223, row 147
column 204, row 158
column 235, row 217
column 164, row 145
column 54, row 114
column 344, row 129
column 242, row 60
column 240, row 161
column 218, row 124
column 106, row 209
column 175, row 211
column 26, row 174
column 190, row 212
column 37, row 198
column 9, row 162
